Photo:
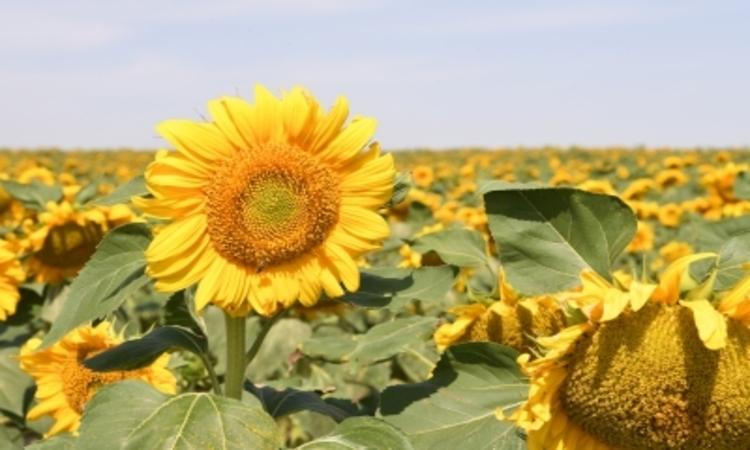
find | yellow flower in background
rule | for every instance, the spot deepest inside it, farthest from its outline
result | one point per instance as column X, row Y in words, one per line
column 65, row 385
column 670, row 215
column 513, row 321
column 68, row 236
column 423, row 176
column 11, row 275
column 644, row 238
column 269, row 204
column 671, row 177
column 635, row 376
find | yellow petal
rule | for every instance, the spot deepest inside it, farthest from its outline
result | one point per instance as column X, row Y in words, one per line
column 712, row 325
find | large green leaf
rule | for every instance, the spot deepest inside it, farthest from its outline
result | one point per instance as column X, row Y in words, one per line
column 12, row 439
column 63, row 442
column 279, row 403
column 132, row 416
column 123, row 193
column 707, row 235
column 547, row 236
column 457, row 246
column 380, row 342
column 34, row 195
column 14, row 384
column 393, row 287
column 359, row 433
column 456, row 407
column 114, row 272
column 280, row 343
column 141, row 352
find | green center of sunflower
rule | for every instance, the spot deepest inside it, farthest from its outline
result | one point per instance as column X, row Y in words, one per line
column 645, row 380
column 271, row 205
column 70, row 245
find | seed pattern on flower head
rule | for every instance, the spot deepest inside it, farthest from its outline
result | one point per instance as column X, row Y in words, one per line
column 271, row 205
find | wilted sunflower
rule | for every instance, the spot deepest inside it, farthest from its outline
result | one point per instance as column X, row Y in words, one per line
column 11, row 275
column 269, row 204
column 65, row 385
column 513, row 321
column 653, row 368
column 68, row 236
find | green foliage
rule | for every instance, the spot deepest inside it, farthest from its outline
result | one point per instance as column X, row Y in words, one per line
column 123, row 193
column 547, row 236
column 742, row 185
column 401, row 186
column 455, row 246
column 279, row 403
column 14, row 384
column 394, row 288
column 132, row 415
column 33, row 196
column 381, row 342
column 456, row 407
column 360, row 433
column 114, row 272
column 141, row 352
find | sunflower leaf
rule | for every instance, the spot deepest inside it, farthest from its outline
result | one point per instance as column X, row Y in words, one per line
column 547, row 236
column 359, row 433
column 135, row 187
column 34, row 195
column 14, row 384
column 137, row 353
column 380, row 342
column 456, row 407
column 279, row 403
column 132, row 415
column 114, row 272
column 457, row 246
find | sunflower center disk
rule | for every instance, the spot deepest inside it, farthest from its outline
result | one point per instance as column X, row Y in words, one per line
column 268, row 206
column 70, row 245
column 645, row 380
column 80, row 383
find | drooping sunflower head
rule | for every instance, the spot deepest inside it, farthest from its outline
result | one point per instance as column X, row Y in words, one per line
column 665, row 372
column 269, row 203
column 65, row 385
column 68, row 236
column 513, row 320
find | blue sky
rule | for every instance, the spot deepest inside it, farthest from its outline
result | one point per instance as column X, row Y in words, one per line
column 434, row 73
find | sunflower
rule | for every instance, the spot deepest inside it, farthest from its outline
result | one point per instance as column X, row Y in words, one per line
column 269, row 204
column 513, row 321
column 11, row 275
column 68, row 236
column 65, row 385
column 654, row 367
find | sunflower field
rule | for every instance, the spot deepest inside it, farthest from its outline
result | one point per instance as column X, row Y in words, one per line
column 273, row 279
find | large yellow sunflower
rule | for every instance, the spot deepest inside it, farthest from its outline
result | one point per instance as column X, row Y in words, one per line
column 65, row 385
column 11, row 275
column 654, row 367
column 68, row 236
column 269, row 203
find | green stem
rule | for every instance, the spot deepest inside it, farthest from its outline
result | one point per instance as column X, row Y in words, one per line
column 265, row 327
column 235, row 375
column 211, row 373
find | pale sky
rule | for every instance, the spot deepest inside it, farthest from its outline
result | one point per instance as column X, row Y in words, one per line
column 439, row 74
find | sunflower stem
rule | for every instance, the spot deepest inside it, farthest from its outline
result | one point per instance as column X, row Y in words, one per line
column 235, row 376
column 265, row 327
